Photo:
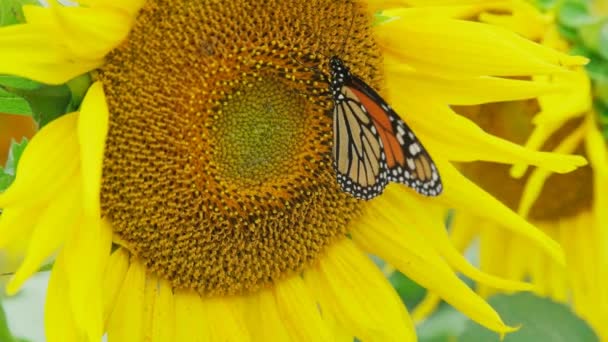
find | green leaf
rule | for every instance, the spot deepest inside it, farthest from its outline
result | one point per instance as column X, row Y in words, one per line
column 8, row 172
column 11, row 11
column 603, row 40
column 597, row 68
column 444, row 325
column 410, row 292
column 568, row 33
column 574, row 14
column 541, row 319
column 590, row 34
column 600, row 90
column 15, row 82
column 545, row 5
column 47, row 102
column 78, row 89
column 13, row 104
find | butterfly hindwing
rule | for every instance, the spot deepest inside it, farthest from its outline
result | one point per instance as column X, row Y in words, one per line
column 408, row 162
column 372, row 144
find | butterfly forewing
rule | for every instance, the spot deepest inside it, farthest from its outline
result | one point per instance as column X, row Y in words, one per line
column 356, row 151
column 372, row 144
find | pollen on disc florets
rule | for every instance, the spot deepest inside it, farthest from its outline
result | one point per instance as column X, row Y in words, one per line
column 217, row 171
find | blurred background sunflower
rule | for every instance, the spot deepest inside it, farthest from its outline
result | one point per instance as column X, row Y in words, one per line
column 183, row 180
column 569, row 208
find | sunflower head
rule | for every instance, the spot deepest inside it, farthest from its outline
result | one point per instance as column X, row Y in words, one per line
column 217, row 171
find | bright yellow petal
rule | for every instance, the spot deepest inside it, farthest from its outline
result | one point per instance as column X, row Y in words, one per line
column 561, row 107
column 428, row 222
column 535, row 141
column 598, row 156
column 16, row 224
column 129, row 6
column 299, row 311
column 426, row 307
column 59, row 324
column 456, row 138
column 190, row 320
column 92, row 130
column 263, row 318
column 86, row 254
column 163, row 321
column 224, row 322
column 402, row 247
column 49, row 161
column 114, row 276
column 459, row 49
column 468, row 91
column 460, row 193
column 126, row 321
column 59, row 43
column 537, row 179
column 354, row 291
column 56, row 222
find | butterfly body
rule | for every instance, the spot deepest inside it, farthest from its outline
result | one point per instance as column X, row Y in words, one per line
column 372, row 144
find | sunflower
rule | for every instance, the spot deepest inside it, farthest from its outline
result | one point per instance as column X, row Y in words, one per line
column 191, row 197
column 569, row 208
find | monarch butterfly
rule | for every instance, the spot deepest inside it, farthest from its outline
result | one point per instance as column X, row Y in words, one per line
column 372, row 145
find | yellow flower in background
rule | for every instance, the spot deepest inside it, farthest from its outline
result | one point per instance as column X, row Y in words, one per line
column 569, row 208
column 192, row 195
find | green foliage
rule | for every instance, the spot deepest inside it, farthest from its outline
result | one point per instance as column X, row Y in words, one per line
column 43, row 102
column 7, row 173
column 588, row 34
column 445, row 325
column 11, row 12
column 13, row 104
column 410, row 292
column 540, row 319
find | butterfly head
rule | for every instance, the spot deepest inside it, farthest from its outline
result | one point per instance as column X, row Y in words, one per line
column 337, row 68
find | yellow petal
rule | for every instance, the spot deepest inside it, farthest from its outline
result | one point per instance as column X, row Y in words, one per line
column 299, row 311
column 47, row 164
column 524, row 19
column 190, row 320
column 441, row 11
column 163, row 321
column 56, row 222
column 126, row 321
column 17, row 224
column 92, row 130
column 535, row 182
column 114, row 276
column 263, row 318
column 561, row 107
column 224, row 322
column 467, row 91
column 129, row 6
column 59, row 325
column 30, row 51
column 412, row 255
column 447, row 134
column 430, row 224
column 352, row 289
column 456, row 49
column 535, row 141
column 460, row 193
column 426, row 307
column 86, row 254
